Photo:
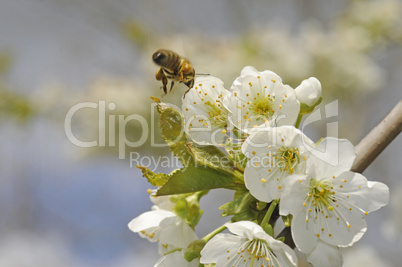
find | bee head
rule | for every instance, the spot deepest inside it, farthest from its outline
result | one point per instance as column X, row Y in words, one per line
column 158, row 57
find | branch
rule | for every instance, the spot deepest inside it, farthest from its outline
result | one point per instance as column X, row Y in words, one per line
column 378, row 139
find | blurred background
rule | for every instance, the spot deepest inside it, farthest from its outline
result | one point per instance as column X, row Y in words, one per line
column 63, row 205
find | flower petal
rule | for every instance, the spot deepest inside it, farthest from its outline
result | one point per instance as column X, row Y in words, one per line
column 150, row 219
column 286, row 105
column 176, row 259
column 331, row 157
column 217, row 248
column 309, row 91
column 245, row 229
column 368, row 196
column 261, row 185
column 179, row 234
column 303, row 232
column 324, row 255
column 294, row 194
column 204, row 112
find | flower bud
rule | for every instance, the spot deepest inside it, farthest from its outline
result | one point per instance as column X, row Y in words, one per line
column 309, row 91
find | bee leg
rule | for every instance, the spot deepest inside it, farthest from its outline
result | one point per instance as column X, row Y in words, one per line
column 184, row 96
column 159, row 74
column 181, row 77
column 171, row 86
column 164, row 82
column 190, row 85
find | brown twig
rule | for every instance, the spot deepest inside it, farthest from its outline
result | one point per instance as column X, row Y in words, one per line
column 378, row 139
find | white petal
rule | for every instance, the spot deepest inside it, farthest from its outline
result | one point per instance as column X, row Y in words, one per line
column 249, row 70
column 264, row 191
column 205, row 115
column 262, row 137
column 283, row 252
column 341, row 233
column 257, row 142
column 331, row 157
column 161, row 202
column 368, row 196
column 309, row 91
column 303, row 232
column 150, row 219
column 245, row 229
column 179, row 234
column 294, row 194
column 216, row 248
column 175, row 259
column 324, row 255
column 287, row 111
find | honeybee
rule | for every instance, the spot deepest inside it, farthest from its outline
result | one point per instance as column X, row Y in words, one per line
column 173, row 67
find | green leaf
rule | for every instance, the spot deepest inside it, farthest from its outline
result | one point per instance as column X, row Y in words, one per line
column 240, row 207
column 155, row 179
column 193, row 179
column 212, row 157
column 171, row 125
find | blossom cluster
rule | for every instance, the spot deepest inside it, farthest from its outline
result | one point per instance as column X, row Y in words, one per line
column 255, row 122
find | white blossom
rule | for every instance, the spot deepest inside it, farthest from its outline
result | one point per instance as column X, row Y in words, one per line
column 309, row 91
column 249, row 246
column 275, row 153
column 163, row 226
column 205, row 115
column 260, row 97
column 329, row 203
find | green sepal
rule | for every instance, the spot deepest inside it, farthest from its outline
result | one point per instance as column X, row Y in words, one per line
column 194, row 179
column 181, row 208
column 193, row 250
column 155, row 179
column 287, row 220
column 268, row 229
column 187, row 206
column 282, row 239
column 305, row 109
column 261, row 205
column 171, row 124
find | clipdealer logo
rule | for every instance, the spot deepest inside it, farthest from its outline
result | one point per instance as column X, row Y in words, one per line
column 147, row 129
